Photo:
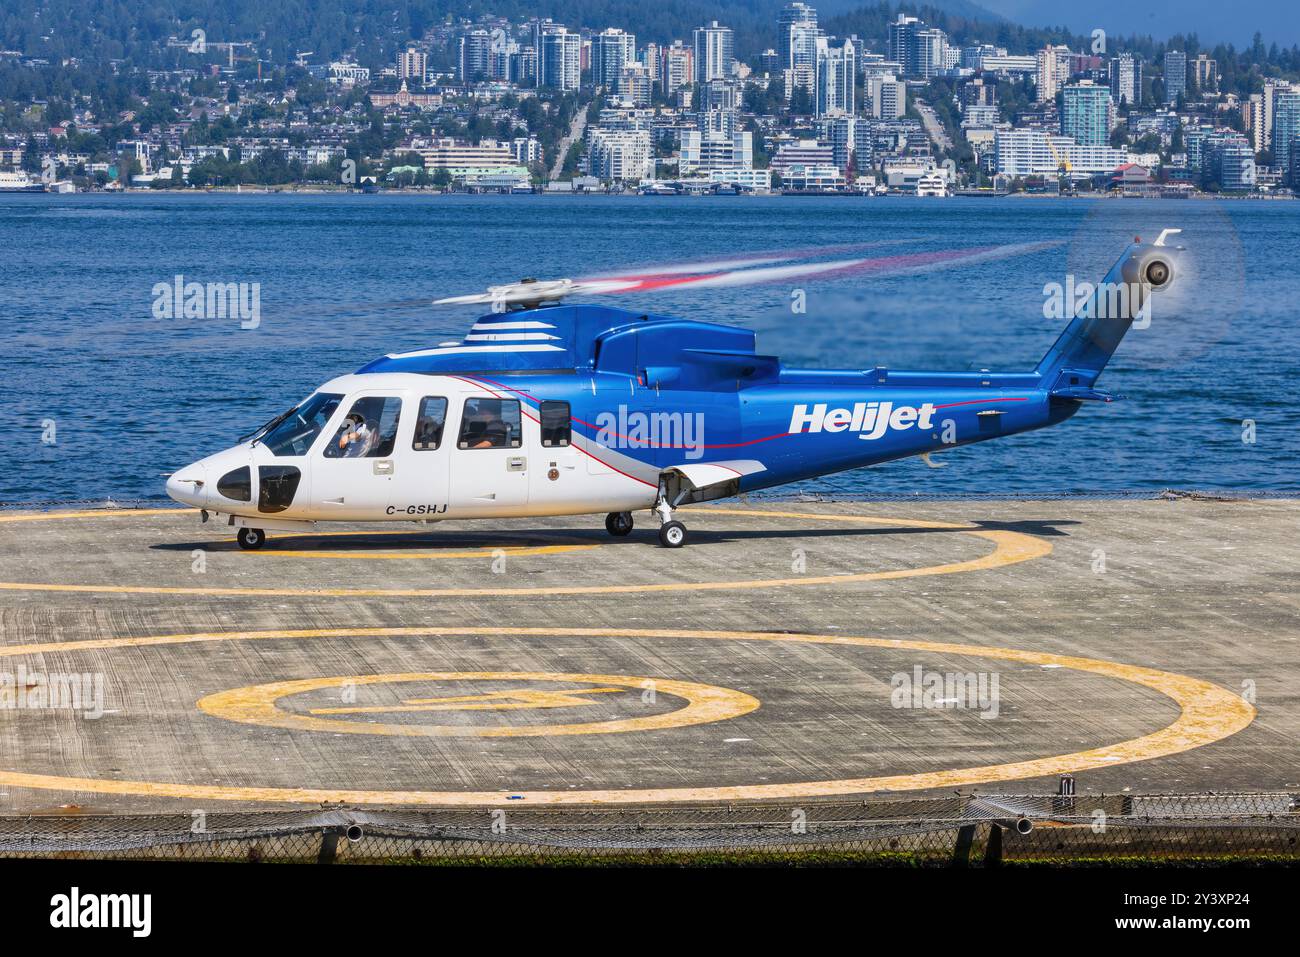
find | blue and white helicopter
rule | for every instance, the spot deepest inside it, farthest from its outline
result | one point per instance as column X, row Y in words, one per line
column 546, row 408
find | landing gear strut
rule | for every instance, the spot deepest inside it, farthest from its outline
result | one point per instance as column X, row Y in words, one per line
column 251, row 538
column 618, row 524
column 672, row 533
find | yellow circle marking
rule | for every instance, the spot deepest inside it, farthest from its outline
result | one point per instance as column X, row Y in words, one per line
column 513, row 551
column 1207, row 713
column 1009, row 549
column 258, row 704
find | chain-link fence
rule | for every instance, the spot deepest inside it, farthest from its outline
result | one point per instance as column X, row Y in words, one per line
column 971, row 831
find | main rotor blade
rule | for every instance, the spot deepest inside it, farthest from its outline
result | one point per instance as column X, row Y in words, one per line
column 873, row 267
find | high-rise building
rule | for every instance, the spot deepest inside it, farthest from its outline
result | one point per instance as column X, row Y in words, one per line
column 888, row 96
column 1272, row 90
column 839, row 132
column 501, row 58
column 634, row 84
column 523, row 66
column 475, row 56
column 559, row 59
column 979, row 92
column 797, row 34
column 715, row 57
column 1206, row 73
column 836, row 80
column 650, row 58
column 1252, row 118
column 412, row 64
column 898, row 40
column 1055, row 64
column 611, row 51
column 1126, row 79
column 922, row 51
column 1175, row 75
column 677, row 68
column 863, row 146
column 1228, row 161
column 1086, row 114
column 1286, row 132
column 620, row 155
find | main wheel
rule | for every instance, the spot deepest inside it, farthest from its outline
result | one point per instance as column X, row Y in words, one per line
column 672, row 534
column 251, row 538
column 618, row 523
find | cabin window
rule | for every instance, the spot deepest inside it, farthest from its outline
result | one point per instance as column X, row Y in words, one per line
column 298, row 430
column 557, row 424
column 429, row 423
column 368, row 431
column 491, row 424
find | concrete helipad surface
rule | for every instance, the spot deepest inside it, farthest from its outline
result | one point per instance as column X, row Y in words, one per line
column 791, row 651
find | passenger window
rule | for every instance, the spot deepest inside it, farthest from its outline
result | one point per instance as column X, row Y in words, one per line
column 557, row 425
column 491, row 424
column 369, row 431
column 428, row 426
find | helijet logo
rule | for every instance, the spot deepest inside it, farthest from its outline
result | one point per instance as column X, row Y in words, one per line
column 872, row 419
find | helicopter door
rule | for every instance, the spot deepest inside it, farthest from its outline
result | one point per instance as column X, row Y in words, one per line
column 419, row 483
column 489, row 469
column 353, row 474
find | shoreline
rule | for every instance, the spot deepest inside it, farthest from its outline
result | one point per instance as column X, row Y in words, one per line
column 325, row 191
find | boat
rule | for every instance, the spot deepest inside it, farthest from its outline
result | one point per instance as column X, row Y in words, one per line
column 932, row 184
column 19, row 182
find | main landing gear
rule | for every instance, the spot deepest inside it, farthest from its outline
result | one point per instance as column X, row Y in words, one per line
column 618, row 524
column 251, row 538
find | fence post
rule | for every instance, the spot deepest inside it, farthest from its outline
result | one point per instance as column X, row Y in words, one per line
column 961, row 850
column 993, row 852
column 329, row 844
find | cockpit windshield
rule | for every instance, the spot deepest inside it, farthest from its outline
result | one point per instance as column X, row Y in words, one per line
column 295, row 434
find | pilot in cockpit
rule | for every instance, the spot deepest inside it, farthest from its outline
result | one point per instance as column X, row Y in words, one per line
column 356, row 438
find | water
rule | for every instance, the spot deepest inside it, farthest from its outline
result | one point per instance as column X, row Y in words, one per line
column 344, row 278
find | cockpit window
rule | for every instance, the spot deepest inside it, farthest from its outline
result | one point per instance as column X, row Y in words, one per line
column 369, row 431
column 491, row 424
column 296, row 432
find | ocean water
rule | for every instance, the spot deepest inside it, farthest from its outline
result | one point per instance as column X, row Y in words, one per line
column 344, row 279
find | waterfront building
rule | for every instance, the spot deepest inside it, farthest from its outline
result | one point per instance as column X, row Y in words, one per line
column 1086, row 113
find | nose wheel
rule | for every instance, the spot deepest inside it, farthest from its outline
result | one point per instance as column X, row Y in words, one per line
column 618, row 524
column 672, row 534
column 251, row 539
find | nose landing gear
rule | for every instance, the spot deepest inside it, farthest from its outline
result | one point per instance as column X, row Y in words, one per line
column 672, row 533
column 251, row 539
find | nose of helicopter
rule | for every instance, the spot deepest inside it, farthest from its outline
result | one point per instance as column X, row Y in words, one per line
column 189, row 485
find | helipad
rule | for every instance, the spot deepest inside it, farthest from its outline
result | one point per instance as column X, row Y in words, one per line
column 1141, row 644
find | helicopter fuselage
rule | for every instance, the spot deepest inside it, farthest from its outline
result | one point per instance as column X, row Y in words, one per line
column 559, row 410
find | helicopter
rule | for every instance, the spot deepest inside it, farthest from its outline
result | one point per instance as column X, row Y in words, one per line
column 547, row 408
